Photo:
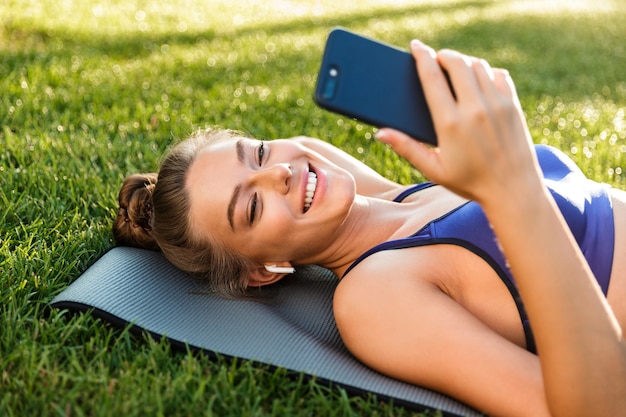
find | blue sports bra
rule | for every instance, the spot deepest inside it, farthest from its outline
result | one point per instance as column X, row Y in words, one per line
column 585, row 205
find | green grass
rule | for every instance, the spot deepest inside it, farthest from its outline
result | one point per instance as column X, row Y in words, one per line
column 94, row 90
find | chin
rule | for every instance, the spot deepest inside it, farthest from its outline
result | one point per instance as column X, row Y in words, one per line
column 346, row 197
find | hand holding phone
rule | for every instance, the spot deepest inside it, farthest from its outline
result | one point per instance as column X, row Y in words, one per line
column 375, row 83
column 485, row 150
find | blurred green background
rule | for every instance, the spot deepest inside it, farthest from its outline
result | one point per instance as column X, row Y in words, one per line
column 94, row 90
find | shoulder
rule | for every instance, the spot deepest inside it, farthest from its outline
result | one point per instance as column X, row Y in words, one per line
column 378, row 294
column 385, row 276
column 399, row 321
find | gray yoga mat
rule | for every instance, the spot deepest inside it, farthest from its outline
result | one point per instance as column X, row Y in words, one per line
column 294, row 329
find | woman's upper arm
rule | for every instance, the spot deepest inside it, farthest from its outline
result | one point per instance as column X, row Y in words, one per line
column 410, row 330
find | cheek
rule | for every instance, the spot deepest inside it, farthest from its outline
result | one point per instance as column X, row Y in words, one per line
column 277, row 223
column 269, row 242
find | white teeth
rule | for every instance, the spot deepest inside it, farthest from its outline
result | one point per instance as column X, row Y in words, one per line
column 311, row 185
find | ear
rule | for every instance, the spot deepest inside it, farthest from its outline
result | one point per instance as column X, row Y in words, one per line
column 269, row 274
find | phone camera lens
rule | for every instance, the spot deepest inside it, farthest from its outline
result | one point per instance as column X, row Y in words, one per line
column 330, row 86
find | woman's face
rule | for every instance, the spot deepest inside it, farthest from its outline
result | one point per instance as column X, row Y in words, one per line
column 272, row 201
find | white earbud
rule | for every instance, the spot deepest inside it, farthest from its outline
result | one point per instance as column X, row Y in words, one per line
column 280, row 269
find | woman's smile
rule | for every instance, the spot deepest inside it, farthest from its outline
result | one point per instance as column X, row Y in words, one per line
column 309, row 192
column 315, row 182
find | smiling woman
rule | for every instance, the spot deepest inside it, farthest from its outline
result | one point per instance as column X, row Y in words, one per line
column 272, row 195
column 506, row 271
column 223, row 199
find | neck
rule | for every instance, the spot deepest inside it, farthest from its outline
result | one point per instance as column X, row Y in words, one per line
column 370, row 222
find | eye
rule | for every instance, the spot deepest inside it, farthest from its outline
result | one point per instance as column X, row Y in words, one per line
column 261, row 152
column 253, row 203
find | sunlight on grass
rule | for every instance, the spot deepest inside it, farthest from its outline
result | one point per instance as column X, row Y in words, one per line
column 592, row 131
column 116, row 70
column 560, row 7
column 93, row 90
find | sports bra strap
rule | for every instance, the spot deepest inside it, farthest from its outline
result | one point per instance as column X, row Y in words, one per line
column 413, row 189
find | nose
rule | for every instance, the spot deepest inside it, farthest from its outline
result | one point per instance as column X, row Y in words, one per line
column 277, row 176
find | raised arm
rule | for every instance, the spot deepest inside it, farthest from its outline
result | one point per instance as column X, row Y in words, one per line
column 485, row 153
column 368, row 181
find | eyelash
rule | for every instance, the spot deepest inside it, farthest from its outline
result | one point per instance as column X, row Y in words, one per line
column 261, row 152
column 253, row 203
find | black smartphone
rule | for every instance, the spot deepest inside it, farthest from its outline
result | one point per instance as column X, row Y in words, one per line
column 375, row 83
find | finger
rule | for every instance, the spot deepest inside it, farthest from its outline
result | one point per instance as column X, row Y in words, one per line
column 461, row 73
column 484, row 76
column 434, row 82
column 504, row 83
column 421, row 156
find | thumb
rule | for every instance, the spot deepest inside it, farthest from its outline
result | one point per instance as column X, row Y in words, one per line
column 420, row 155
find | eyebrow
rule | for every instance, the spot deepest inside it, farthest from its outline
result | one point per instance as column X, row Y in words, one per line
column 235, row 196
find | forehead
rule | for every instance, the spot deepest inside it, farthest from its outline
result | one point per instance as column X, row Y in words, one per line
column 209, row 161
column 210, row 183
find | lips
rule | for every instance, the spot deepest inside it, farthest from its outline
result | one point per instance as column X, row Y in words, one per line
column 311, row 186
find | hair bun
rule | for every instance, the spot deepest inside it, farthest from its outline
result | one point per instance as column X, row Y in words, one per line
column 133, row 224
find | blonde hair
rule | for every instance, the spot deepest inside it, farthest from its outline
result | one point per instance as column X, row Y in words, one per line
column 154, row 214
